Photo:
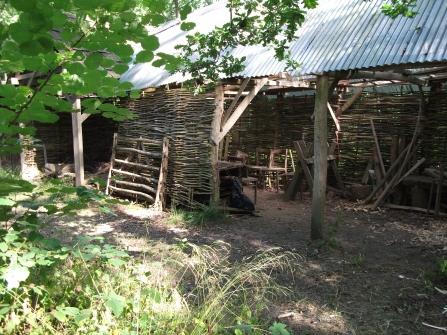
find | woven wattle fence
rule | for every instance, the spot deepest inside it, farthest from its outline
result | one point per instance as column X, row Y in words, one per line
column 276, row 123
column 186, row 120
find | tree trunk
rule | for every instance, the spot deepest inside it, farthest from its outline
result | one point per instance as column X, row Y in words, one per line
column 320, row 159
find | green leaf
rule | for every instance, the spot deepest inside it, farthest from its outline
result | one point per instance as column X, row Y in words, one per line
column 37, row 290
column 150, row 43
column 121, row 50
column 116, row 303
column 3, row 247
column 153, row 294
column 144, row 56
column 91, row 103
column 51, row 243
column 11, row 185
column 30, row 48
column 109, row 81
column 5, row 310
column 116, row 262
column 279, row 329
column 37, row 112
column 185, row 11
column 71, row 311
column 24, row 5
column 120, row 68
column 108, row 107
column 107, row 62
column 67, row 35
column 83, row 314
column 8, row 91
column 35, row 237
column 135, row 94
column 32, row 63
column 186, row 26
column 75, row 68
column 6, row 202
column 106, row 92
column 59, row 19
column 60, row 316
column 33, row 22
column 93, row 61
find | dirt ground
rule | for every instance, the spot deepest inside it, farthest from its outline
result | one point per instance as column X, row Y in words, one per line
column 376, row 273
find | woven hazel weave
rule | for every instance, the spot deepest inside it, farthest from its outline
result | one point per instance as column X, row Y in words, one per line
column 186, row 120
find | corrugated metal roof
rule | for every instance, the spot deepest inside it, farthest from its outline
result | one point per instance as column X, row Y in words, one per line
column 337, row 35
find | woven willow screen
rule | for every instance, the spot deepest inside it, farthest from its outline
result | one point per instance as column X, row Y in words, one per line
column 276, row 123
column 186, row 120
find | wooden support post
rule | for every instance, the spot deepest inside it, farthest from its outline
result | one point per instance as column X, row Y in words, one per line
column 160, row 196
column 439, row 190
column 214, row 151
column 78, row 146
column 320, row 158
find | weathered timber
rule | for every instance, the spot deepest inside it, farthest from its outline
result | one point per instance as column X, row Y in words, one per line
column 142, row 166
column 136, row 186
column 132, row 193
column 141, row 152
column 320, row 156
column 133, row 175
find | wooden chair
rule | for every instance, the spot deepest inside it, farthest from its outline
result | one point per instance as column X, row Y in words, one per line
column 277, row 165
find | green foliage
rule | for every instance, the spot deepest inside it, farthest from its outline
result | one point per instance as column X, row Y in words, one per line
column 442, row 266
column 207, row 214
column 67, row 49
column 400, row 7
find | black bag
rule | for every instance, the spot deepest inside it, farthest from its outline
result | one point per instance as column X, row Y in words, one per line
column 239, row 199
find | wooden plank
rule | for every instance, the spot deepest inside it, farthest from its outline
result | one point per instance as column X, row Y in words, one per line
column 379, row 154
column 235, row 100
column 136, row 185
column 112, row 159
column 439, row 190
column 132, row 193
column 147, row 167
column 134, row 175
column 160, row 197
column 214, row 150
column 239, row 110
column 303, row 163
column 144, row 140
column 141, row 152
column 320, row 155
column 417, row 209
column 78, row 146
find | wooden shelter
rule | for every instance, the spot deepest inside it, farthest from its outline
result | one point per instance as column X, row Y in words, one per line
column 334, row 96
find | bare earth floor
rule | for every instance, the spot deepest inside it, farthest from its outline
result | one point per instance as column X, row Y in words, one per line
column 376, row 274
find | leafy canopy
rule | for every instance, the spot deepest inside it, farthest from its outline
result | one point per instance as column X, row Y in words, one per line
column 58, row 56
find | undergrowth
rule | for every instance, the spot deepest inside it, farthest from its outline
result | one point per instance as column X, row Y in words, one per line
column 97, row 288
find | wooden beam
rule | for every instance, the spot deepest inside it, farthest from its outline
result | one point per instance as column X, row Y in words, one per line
column 78, row 146
column 238, row 112
column 236, row 99
column 349, row 102
column 160, row 196
column 214, row 150
column 320, row 156
column 376, row 75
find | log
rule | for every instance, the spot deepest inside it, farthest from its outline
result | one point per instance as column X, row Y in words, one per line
column 417, row 209
column 132, row 192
